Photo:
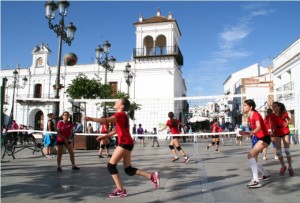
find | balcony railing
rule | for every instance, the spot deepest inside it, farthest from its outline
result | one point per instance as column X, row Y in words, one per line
column 286, row 88
column 36, row 96
column 159, row 52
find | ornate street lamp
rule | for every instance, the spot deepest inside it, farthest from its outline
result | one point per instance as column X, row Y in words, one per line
column 107, row 64
column 65, row 34
column 15, row 86
column 128, row 76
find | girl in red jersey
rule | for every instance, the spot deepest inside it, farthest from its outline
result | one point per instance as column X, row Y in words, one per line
column 64, row 132
column 279, row 124
column 173, row 125
column 104, row 143
column 124, row 148
column 267, row 121
column 215, row 138
column 260, row 131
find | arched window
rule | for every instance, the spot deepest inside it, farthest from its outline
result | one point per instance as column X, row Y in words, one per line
column 148, row 46
column 37, row 91
column 160, row 45
column 39, row 62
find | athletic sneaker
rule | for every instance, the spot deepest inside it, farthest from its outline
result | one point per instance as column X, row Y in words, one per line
column 75, row 168
column 175, row 159
column 207, row 147
column 264, row 158
column 100, row 156
column 291, row 172
column 282, row 170
column 186, row 160
column 216, row 150
column 275, row 157
column 117, row 193
column 108, row 155
column 265, row 177
column 155, row 179
column 59, row 169
column 254, row 184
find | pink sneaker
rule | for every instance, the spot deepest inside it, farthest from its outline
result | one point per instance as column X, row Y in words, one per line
column 291, row 172
column 118, row 193
column 282, row 170
column 155, row 179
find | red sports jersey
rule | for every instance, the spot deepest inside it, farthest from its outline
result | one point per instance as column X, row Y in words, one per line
column 122, row 128
column 173, row 128
column 104, row 128
column 252, row 120
column 65, row 130
column 280, row 124
column 214, row 128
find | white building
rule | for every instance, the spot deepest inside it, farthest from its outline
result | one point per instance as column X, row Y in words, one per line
column 252, row 80
column 286, row 73
column 156, row 68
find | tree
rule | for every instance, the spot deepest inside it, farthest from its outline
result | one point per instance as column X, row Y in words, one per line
column 84, row 88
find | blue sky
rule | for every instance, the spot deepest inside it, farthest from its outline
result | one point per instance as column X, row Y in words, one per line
column 218, row 38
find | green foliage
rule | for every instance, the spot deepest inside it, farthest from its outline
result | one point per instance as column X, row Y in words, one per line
column 84, row 88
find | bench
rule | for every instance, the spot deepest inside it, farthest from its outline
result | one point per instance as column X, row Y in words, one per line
column 15, row 142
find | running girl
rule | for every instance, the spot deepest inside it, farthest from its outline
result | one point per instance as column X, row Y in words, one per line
column 124, row 148
column 215, row 138
column 279, row 124
column 259, row 130
column 173, row 124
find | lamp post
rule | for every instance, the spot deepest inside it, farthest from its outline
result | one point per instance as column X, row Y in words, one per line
column 14, row 86
column 128, row 76
column 107, row 64
column 65, row 34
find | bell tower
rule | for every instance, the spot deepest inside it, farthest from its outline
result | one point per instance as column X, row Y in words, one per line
column 40, row 58
column 157, row 37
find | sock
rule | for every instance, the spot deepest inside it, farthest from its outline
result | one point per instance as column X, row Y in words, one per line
column 253, row 166
column 262, row 170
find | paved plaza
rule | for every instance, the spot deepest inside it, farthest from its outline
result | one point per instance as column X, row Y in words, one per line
column 209, row 177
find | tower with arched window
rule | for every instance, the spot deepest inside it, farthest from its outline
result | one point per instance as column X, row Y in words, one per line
column 158, row 59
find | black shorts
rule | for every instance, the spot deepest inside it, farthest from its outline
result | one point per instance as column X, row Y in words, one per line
column 129, row 147
column 176, row 137
column 62, row 143
column 215, row 136
column 266, row 139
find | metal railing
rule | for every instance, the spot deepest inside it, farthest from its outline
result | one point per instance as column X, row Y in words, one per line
column 159, row 52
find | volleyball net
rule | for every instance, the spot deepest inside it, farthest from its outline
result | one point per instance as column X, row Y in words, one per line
column 195, row 112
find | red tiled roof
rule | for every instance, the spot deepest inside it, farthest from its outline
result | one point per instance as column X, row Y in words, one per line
column 155, row 19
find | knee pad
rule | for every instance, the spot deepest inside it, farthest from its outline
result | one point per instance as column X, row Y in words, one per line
column 130, row 171
column 112, row 168
column 278, row 152
column 218, row 142
column 274, row 144
column 171, row 147
column 178, row 148
column 287, row 151
column 107, row 146
column 213, row 143
column 102, row 146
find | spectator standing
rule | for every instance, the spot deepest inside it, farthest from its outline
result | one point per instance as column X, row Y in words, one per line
column 50, row 138
column 90, row 128
column 140, row 131
column 155, row 139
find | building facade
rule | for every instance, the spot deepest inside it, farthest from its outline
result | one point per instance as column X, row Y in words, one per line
column 157, row 62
